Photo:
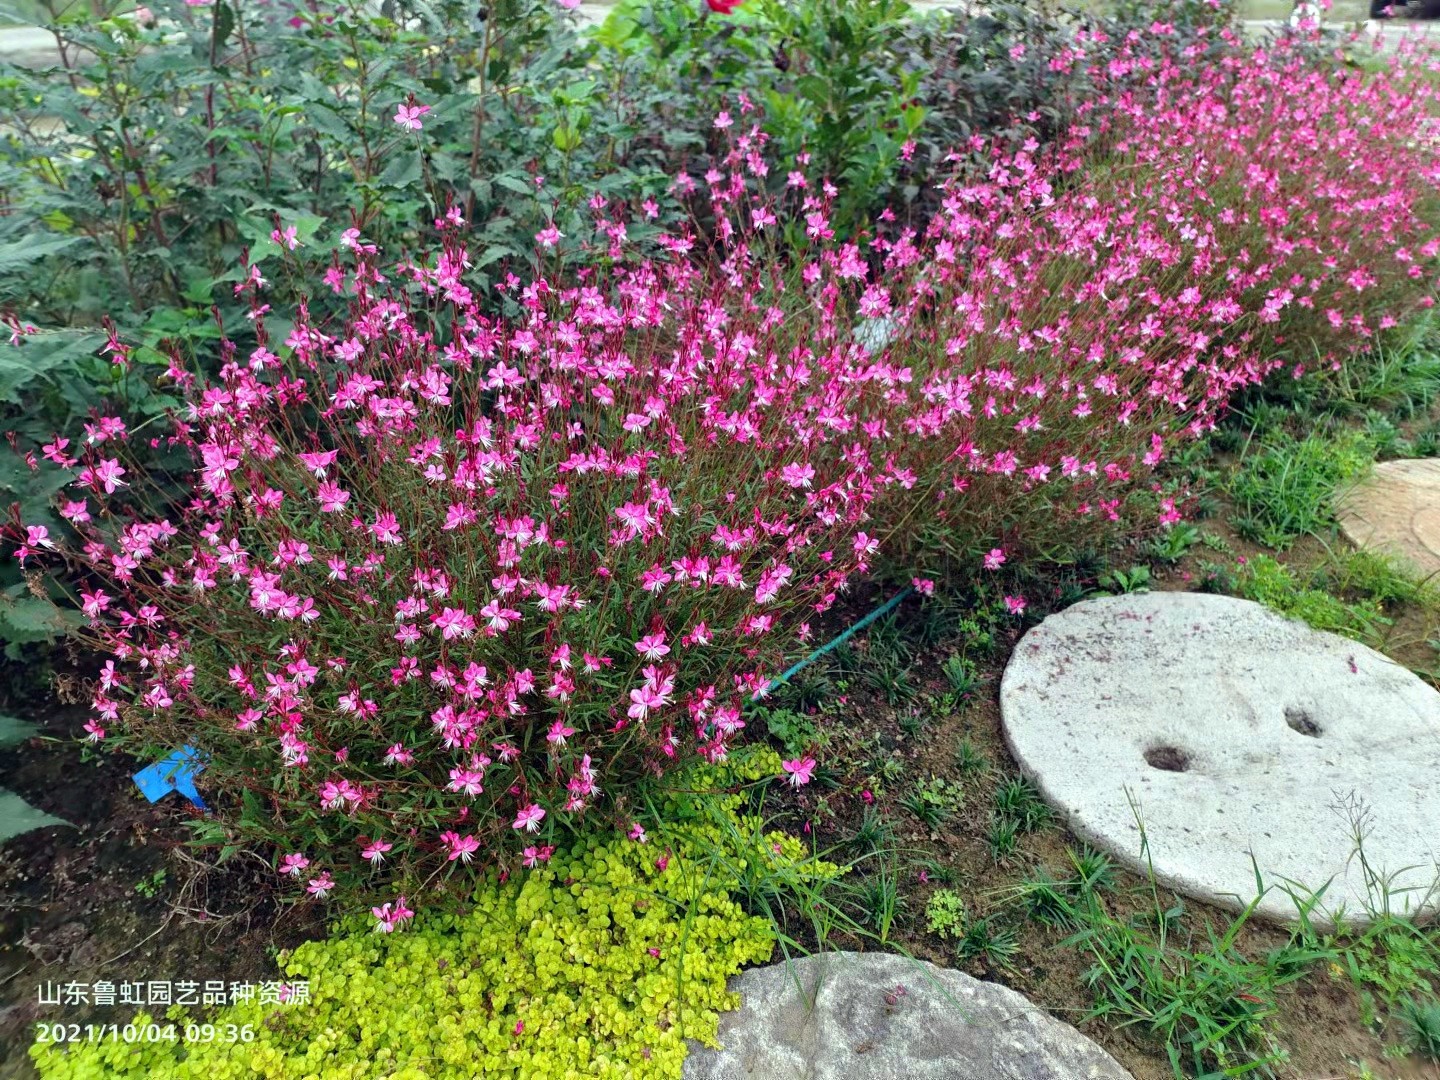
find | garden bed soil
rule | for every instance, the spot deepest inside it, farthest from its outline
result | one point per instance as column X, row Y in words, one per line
column 116, row 897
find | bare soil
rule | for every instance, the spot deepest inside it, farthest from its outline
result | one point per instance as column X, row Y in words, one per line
column 70, row 909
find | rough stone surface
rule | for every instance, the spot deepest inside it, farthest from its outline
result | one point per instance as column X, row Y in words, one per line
column 945, row 1026
column 1236, row 731
column 1396, row 510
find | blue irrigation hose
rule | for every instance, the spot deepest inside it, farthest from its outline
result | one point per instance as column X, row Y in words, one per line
column 844, row 636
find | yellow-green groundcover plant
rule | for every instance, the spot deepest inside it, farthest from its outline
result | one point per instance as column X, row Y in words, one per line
column 574, row 970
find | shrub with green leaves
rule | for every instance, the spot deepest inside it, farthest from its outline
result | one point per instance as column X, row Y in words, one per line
column 133, row 176
column 137, row 177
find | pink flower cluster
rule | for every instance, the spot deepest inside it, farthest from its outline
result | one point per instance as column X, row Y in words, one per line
column 444, row 580
column 445, row 583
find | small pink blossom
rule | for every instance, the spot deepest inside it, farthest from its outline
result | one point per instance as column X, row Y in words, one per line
column 529, row 818
column 799, row 770
column 294, row 864
column 652, row 646
column 408, row 116
column 375, row 852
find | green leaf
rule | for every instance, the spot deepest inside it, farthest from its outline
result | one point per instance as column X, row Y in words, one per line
column 517, row 184
column 403, row 171
column 448, row 167
column 29, row 618
column 14, row 732
column 26, row 365
column 199, row 291
column 224, row 24
column 490, row 254
column 22, row 253
column 328, row 122
column 18, row 816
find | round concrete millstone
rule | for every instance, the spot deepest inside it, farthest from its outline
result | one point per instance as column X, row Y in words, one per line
column 1236, row 732
column 877, row 1016
column 1396, row 511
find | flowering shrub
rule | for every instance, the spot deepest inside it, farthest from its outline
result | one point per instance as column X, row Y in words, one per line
column 443, row 585
column 1061, row 324
column 600, row 964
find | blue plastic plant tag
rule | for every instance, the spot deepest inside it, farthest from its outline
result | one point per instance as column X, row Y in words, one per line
column 175, row 773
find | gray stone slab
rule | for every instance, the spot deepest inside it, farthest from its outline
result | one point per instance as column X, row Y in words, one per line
column 1236, row 732
column 843, row 1016
column 1395, row 510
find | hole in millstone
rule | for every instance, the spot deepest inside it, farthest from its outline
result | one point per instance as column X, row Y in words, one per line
column 1299, row 720
column 1167, row 758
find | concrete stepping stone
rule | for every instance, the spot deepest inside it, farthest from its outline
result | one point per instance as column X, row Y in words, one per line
column 1236, row 732
column 878, row 1016
column 1396, row 510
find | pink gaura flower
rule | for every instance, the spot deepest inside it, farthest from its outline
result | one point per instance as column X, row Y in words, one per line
column 374, row 853
column 461, row 847
column 454, row 623
column 468, row 782
column 642, row 700
column 408, row 116
column 637, row 833
column 652, row 646
column 529, row 818
column 798, row 475
column 559, row 733
column 386, row 529
column 799, row 770
column 388, row 916
column 107, row 475
column 294, row 864
column 995, row 559
column 322, row 885
column 1016, row 604
column 498, row 618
